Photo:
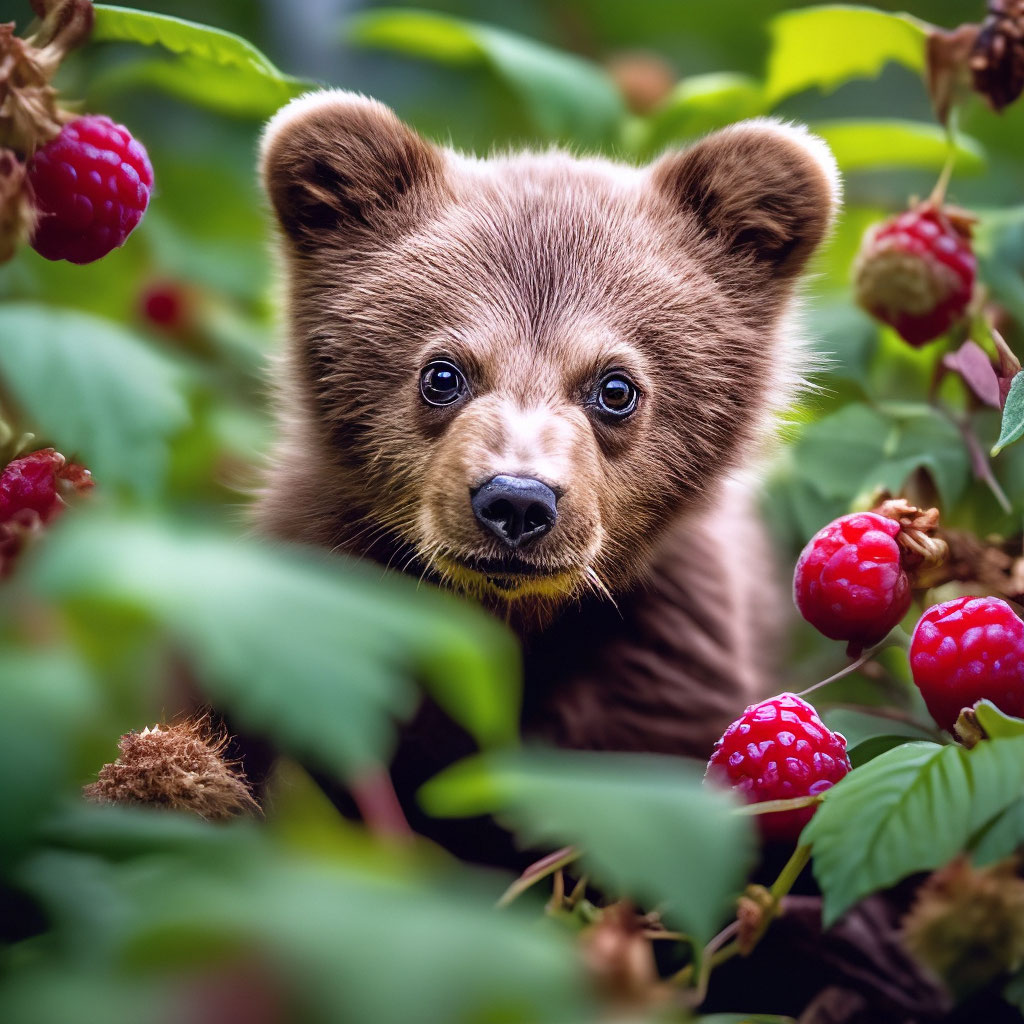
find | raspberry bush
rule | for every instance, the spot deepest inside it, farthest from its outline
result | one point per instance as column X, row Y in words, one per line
column 874, row 803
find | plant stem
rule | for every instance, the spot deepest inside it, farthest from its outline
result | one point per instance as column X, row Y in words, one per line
column 539, row 870
column 379, row 807
column 714, row 953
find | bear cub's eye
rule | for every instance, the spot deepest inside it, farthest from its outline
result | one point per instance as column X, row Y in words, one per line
column 617, row 395
column 442, row 383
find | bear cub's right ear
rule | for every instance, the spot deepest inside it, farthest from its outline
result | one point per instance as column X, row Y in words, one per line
column 339, row 168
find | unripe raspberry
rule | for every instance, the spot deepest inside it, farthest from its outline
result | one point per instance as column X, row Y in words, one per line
column 850, row 582
column 780, row 750
column 90, row 186
column 916, row 272
column 33, row 485
column 966, row 650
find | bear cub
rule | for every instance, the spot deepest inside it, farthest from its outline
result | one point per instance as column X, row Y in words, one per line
column 542, row 380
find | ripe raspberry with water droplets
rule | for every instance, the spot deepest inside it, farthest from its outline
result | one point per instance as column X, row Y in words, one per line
column 780, row 750
column 90, row 186
column 966, row 650
column 916, row 271
column 850, row 583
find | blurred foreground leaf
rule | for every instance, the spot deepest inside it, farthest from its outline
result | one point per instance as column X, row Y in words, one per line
column 910, row 809
column 46, row 699
column 611, row 805
column 824, row 47
column 565, row 96
column 318, row 654
column 318, row 941
column 94, row 389
column 211, row 68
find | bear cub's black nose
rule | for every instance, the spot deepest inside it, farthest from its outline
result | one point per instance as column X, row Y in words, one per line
column 516, row 509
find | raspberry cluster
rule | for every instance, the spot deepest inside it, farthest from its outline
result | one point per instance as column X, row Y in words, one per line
column 779, row 750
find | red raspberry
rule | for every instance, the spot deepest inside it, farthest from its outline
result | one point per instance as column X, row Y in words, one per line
column 90, row 186
column 916, row 272
column 849, row 582
column 30, row 486
column 779, row 750
column 965, row 650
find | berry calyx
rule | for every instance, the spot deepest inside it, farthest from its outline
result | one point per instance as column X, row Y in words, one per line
column 32, row 486
column 916, row 271
column 90, row 186
column 850, row 582
column 966, row 650
column 780, row 750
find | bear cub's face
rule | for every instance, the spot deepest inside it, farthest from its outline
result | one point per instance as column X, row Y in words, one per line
column 518, row 371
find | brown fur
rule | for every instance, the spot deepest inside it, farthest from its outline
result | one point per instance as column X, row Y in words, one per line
column 537, row 273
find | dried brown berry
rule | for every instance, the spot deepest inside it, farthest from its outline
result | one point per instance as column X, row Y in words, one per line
column 997, row 58
column 181, row 767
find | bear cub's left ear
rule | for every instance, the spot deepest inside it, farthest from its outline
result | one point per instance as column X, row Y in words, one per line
column 766, row 191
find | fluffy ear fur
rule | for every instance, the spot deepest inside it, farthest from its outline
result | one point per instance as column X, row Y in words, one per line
column 762, row 189
column 338, row 166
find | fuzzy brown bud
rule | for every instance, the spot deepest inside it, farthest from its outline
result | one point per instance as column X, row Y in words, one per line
column 16, row 214
column 621, row 959
column 967, row 924
column 181, row 767
column 997, row 57
column 645, row 79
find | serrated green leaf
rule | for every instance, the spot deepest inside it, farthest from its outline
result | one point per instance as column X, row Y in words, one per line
column 911, row 809
column 824, row 47
column 564, row 95
column 868, row 145
column 610, row 805
column 94, row 389
column 212, row 68
column 1012, row 428
column 320, row 655
column 858, row 725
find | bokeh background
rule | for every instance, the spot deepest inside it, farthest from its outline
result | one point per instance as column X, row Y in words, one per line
column 151, row 367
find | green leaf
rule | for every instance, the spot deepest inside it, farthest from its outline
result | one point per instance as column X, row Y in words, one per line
column 565, row 96
column 911, row 809
column 329, row 940
column 1013, row 415
column 611, row 805
column 881, row 448
column 98, row 392
column 320, row 655
column 996, row 723
column 213, row 68
column 868, row 145
column 858, row 725
column 696, row 106
column 45, row 699
column 823, row 47
column 1000, row 837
